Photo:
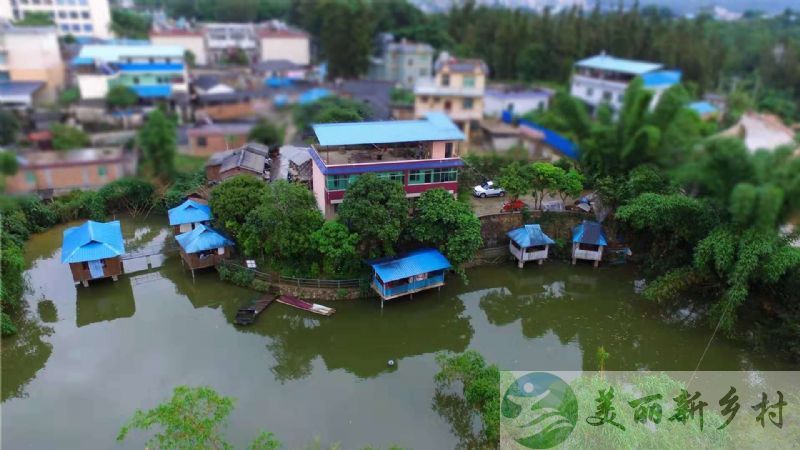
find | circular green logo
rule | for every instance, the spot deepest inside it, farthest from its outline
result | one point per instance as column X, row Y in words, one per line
column 538, row 410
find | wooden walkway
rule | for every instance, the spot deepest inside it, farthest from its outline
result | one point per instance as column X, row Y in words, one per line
column 248, row 314
column 167, row 246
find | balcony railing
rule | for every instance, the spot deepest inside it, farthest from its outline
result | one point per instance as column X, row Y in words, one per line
column 408, row 288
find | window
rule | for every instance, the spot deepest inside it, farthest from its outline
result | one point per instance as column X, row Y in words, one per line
column 423, row 98
column 391, row 176
column 101, row 171
column 71, row 2
column 151, row 60
column 64, row 27
column 168, row 60
column 445, row 80
column 76, row 27
column 467, row 103
column 83, row 2
column 423, row 72
column 48, row 2
column 85, row 14
column 202, row 141
column 620, row 97
column 589, row 92
column 37, row 2
column 448, row 150
column 339, row 182
column 62, row 14
column 73, row 14
column 447, row 105
column 88, row 28
column 469, row 81
column 61, row 2
column 135, row 80
column 432, row 176
column 410, row 62
column 30, row 177
column 607, row 96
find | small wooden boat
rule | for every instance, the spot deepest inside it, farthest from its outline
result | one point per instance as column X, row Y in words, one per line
column 248, row 314
column 295, row 302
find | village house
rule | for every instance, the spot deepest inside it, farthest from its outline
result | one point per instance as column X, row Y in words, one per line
column 208, row 139
column 406, row 274
column 291, row 163
column 517, row 101
column 249, row 159
column 31, row 69
column 93, row 251
column 588, row 242
column 210, row 84
column 403, row 63
column 457, row 90
column 227, row 106
column 421, row 154
column 188, row 215
column 49, row 173
column 529, row 243
column 203, row 247
column 152, row 71
column 706, row 110
column 83, row 19
column 604, row 79
column 279, row 72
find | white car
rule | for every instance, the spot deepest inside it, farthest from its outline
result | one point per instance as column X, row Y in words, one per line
column 488, row 189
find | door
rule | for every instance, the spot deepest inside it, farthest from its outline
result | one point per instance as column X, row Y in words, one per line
column 96, row 268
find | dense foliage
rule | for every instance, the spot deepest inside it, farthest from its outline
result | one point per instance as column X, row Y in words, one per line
column 329, row 110
column 66, row 137
column 233, row 199
column 126, row 23
column 120, row 96
column 9, row 126
column 158, row 141
column 267, row 133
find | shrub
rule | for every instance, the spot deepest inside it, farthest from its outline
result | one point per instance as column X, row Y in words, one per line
column 79, row 205
column 236, row 275
column 128, row 195
column 38, row 215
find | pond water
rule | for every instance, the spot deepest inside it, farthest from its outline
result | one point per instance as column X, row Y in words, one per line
column 85, row 358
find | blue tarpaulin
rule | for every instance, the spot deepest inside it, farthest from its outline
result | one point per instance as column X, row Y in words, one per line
column 92, row 241
column 189, row 211
column 554, row 140
column 411, row 264
column 276, row 82
column 589, row 232
column 152, row 91
column 202, row 238
column 313, row 95
column 530, row 236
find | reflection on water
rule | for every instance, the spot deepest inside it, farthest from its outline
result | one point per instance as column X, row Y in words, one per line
column 86, row 358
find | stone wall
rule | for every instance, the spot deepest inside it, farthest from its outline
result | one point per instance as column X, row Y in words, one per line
column 556, row 224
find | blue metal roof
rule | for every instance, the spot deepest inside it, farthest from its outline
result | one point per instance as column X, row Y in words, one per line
column 589, row 232
column 313, row 95
column 434, row 127
column 151, row 90
column 703, row 108
column 154, row 67
column 202, row 238
column 92, row 241
column 529, row 236
column 189, row 211
column 606, row 62
column 553, row 139
column 661, row 78
column 115, row 53
column 9, row 88
column 410, row 264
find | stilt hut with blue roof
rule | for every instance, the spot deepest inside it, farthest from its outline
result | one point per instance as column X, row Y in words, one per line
column 409, row 273
column 93, row 251
column 203, row 247
column 186, row 216
column 529, row 243
column 588, row 242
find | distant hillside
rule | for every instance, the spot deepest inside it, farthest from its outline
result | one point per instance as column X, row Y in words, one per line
column 679, row 6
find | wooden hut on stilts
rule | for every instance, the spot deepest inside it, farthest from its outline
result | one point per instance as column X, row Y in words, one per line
column 529, row 243
column 93, row 251
column 203, row 247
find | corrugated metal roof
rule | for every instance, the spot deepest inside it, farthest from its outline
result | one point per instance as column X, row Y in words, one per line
column 606, row 62
column 202, row 238
column 661, row 78
column 9, row 88
column 92, row 241
column 529, row 236
column 313, row 95
column 435, row 127
column 703, row 108
column 189, row 211
column 112, row 53
column 151, row 91
column 410, row 264
column 589, row 232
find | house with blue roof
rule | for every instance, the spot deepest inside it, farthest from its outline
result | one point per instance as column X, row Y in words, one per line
column 588, row 241
column 420, row 154
column 152, row 71
column 706, row 110
column 529, row 243
column 406, row 274
column 203, row 247
column 604, row 78
column 188, row 215
column 93, row 251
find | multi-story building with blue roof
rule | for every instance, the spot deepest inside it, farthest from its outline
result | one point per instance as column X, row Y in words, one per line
column 604, row 79
column 152, row 71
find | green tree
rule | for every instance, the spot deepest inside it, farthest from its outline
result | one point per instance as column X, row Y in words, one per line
column 544, row 177
column 236, row 57
column 126, row 23
column 267, row 133
column 69, row 96
column 158, row 141
column 330, row 109
column 569, row 185
column 233, row 199
column 346, row 36
column 195, row 417
column 377, row 210
column 190, row 58
column 35, row 19
column 8, row 163
column 130, row 195
column 281, row 225
column 66, row 137
column 515, row 179
column 339, row 249
column 9, row 127
column 446, row 223
column 120, row 96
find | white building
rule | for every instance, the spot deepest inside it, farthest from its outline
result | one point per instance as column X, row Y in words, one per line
column 75, row 17
column 518, row 102
column 30, row 55
column 604, row 79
